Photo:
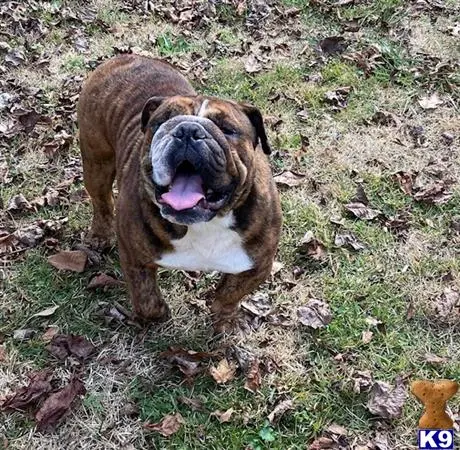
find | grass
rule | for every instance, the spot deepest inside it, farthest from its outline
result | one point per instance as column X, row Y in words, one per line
column 371, row 290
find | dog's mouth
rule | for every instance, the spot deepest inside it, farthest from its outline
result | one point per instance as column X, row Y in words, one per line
column 188, row 190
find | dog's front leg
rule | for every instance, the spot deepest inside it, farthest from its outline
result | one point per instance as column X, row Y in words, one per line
column 145, row 295
column 231, row 290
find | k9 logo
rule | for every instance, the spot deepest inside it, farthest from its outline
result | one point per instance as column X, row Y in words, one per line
column 435, row 439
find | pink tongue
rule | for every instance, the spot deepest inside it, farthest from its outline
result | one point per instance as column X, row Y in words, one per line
column 186, row 191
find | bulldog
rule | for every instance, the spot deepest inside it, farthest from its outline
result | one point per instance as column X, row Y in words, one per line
column 195, row 189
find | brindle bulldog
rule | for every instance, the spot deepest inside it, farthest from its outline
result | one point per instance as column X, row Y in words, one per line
column 195, row 190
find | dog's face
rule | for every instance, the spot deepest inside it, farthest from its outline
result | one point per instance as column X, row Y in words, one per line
column 198, row 152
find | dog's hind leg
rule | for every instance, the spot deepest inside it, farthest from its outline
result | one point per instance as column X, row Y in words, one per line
column 99, row 168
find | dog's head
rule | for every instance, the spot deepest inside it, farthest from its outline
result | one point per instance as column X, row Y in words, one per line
column 198, row 154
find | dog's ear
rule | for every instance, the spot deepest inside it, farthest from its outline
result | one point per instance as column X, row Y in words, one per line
column 150, row 106
column 255, row 116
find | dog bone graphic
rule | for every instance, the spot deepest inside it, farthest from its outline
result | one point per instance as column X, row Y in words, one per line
column 434, row 396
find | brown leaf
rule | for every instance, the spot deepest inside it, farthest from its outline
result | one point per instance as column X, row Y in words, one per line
column 104, row 281
column 436, row 193
column 64, row 345
column 38, row 386
column 315, row 314
column 223, row 417
column 18, row 203
column 252, row 65
column 447, row 305
column 289, row 178
column 258, row 305
column 312, row 247
column 169, row 425
column 348, row 240
column 253, row 377
column 187, row 361
column 431, row 101
column 337, row 430
column 58, row 404
column 387, row 401
column 362, row 381
column 333, row 45
column 194, row 403
column 48, row 335
column 367, row 337
column 279, row 410
column 224, row 371
column 431, row 358
column 406, row 181
column 323, row 443
column 338, row 99
column 362, row 211
column 74, row 261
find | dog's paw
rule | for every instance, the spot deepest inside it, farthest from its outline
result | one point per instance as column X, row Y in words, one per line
column 157, row 314
column 98, row 242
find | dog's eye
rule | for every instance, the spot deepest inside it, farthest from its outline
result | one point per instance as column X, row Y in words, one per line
column 228, row 130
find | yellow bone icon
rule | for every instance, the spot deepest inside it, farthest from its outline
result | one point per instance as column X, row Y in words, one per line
column 434, row 396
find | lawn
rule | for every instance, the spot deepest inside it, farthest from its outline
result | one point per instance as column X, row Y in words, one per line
column 360, row 99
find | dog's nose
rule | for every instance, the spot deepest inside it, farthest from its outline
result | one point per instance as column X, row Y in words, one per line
column 189, row 129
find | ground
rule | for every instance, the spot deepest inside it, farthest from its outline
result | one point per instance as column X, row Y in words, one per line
column 374, row 106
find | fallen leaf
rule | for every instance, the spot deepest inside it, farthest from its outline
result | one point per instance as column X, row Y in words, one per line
column 367, row 337
column 48, row 335
column 252, row 65
column 23, row 334
column 74, row 261
column 431, row 358
column 58, row 404
column 65, row 345
column 333, row 45
column 431, row 101
column 312, row 247
column 279, row 410
column 47, row 312
column 381, row 441
column 223, row 417
column 387, row 401
column 362, row 381
column 348, row 240
column 362, row 211
column 169, row 425
column 18, row 203
column 289, row 178
column 39, row 385
column 447, row 305
column 372, row 321
column 104, row 281
column 276, row 268
column 323, row 443
column 194, row 403
column 187, row 361
column 315, row 314
column 338, row 99
column 258, row 305
column 406, row 181
column 337, row 430
column 224, row 371
column 253, row 377
column 129, row 409
column 436, row 193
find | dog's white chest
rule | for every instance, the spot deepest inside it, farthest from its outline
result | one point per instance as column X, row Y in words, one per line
column 207, row 247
